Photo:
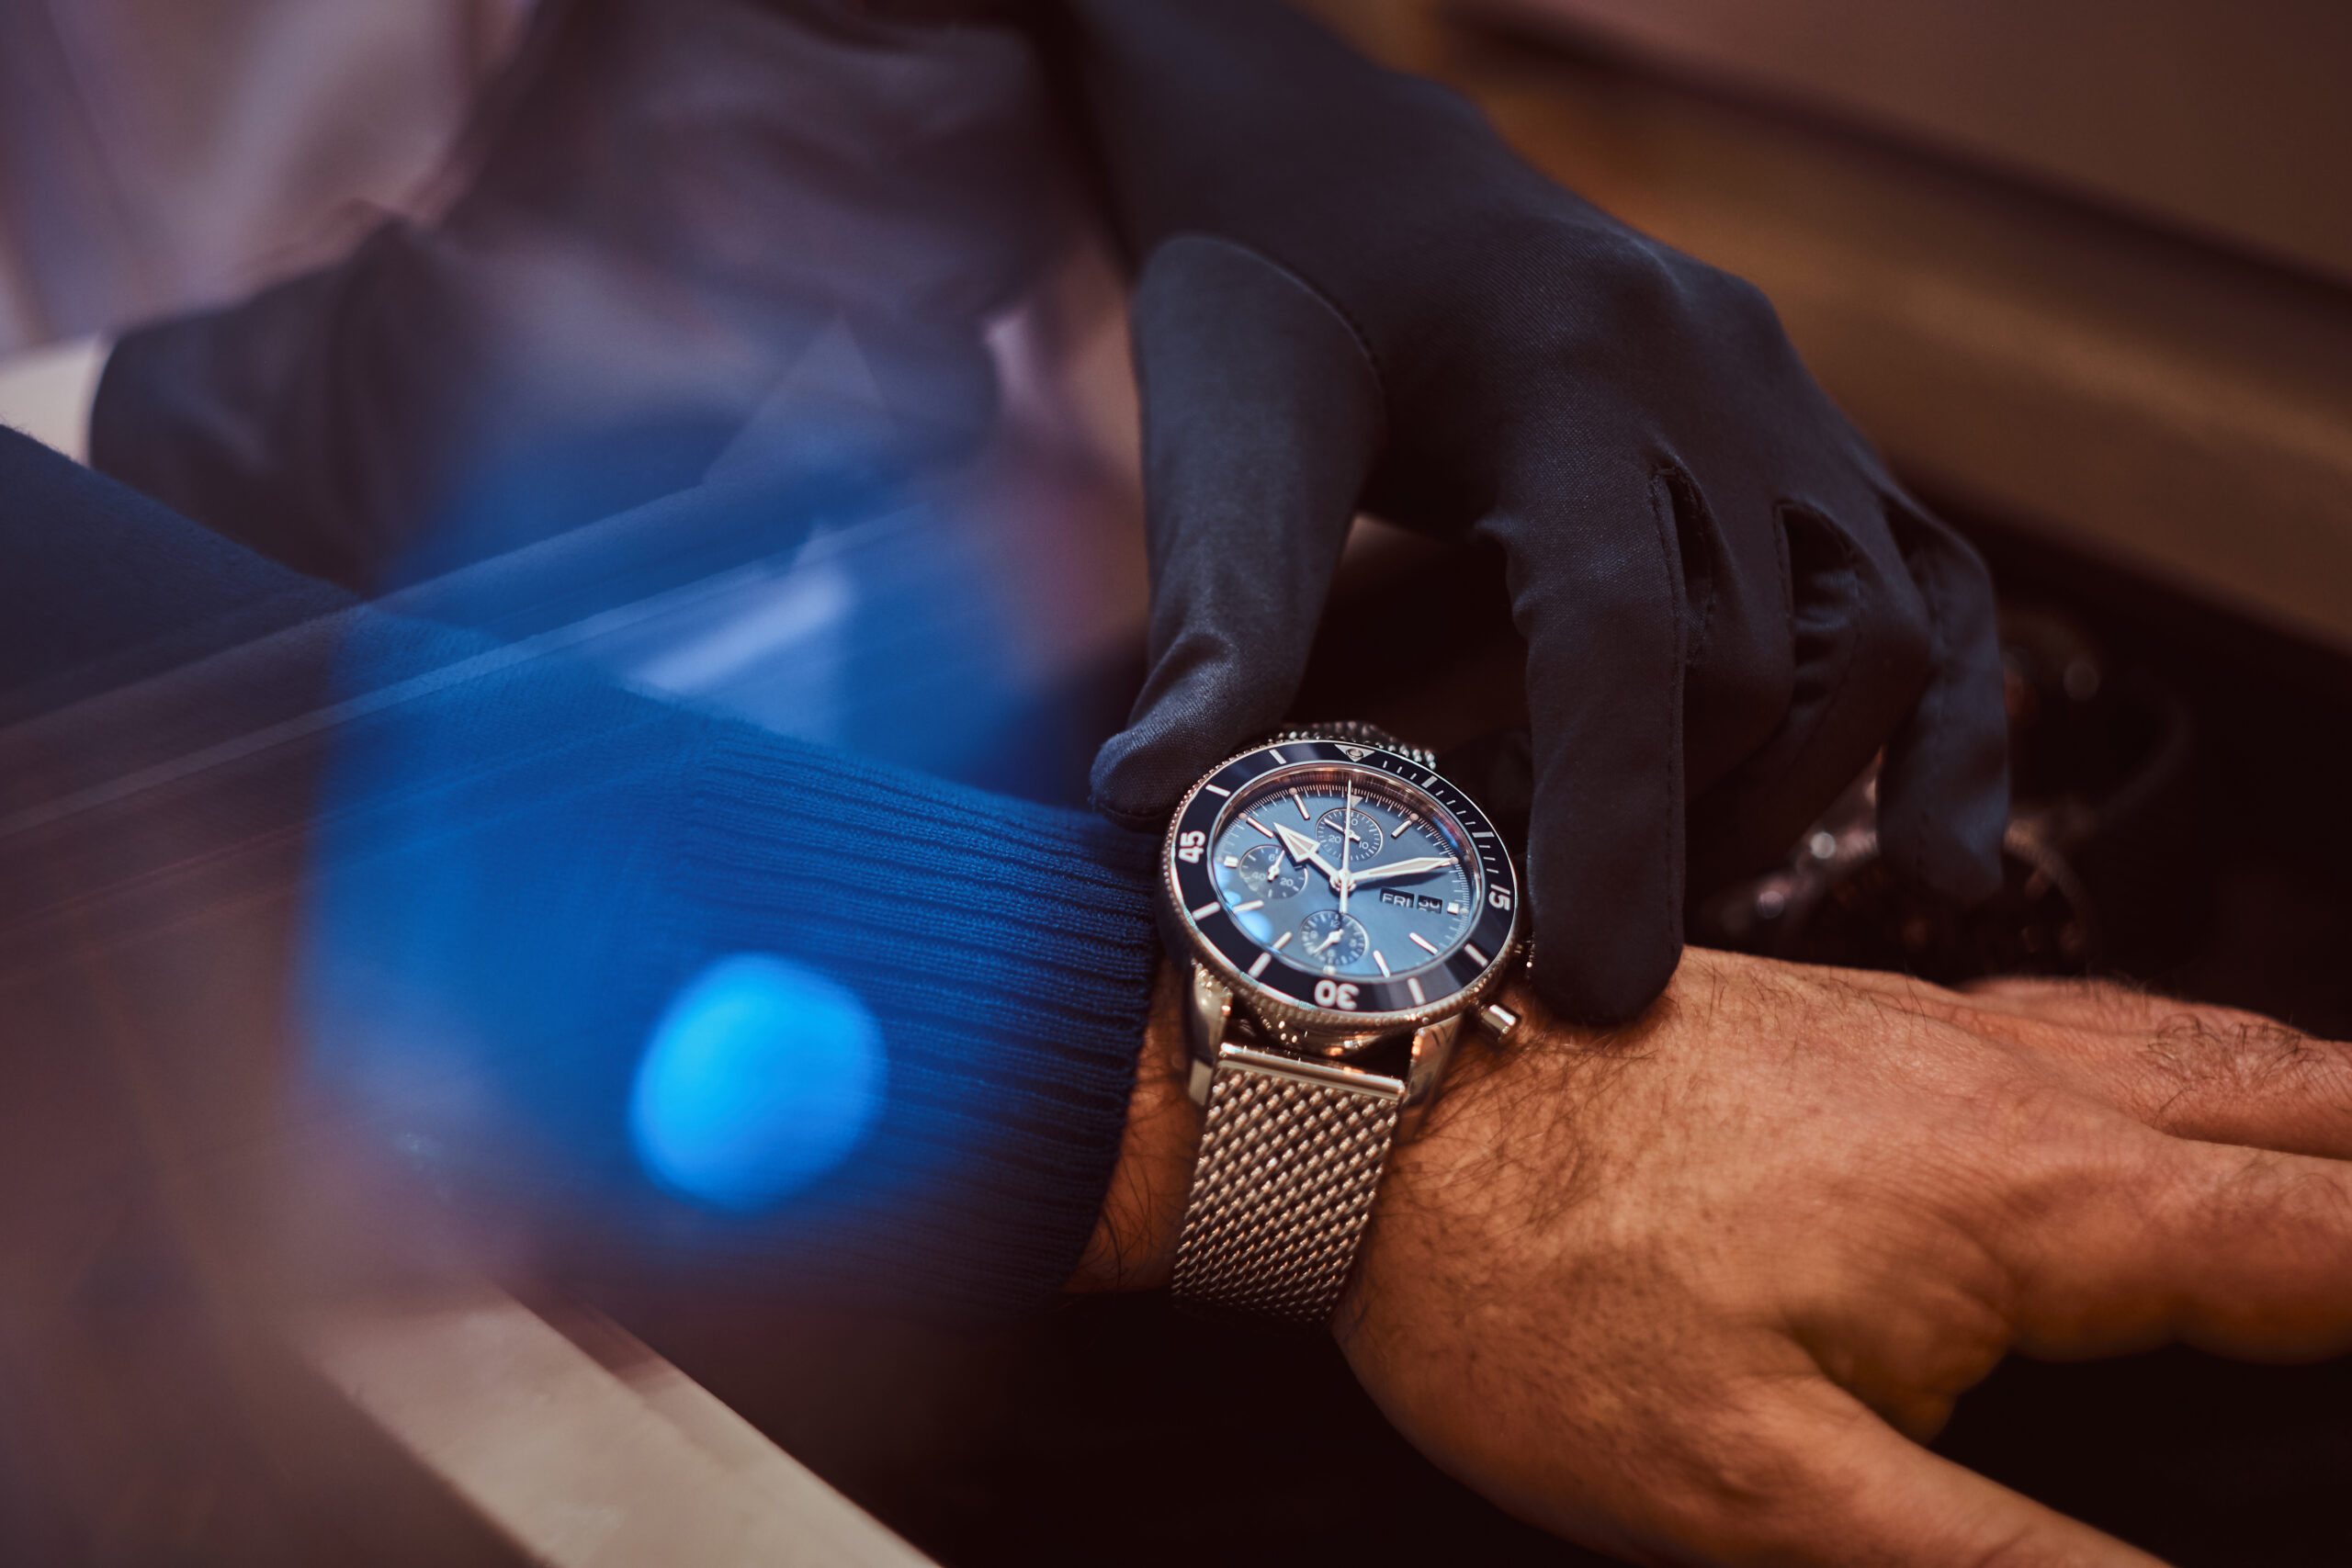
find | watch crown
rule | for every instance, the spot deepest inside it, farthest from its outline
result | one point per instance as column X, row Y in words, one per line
column 1499, row 1020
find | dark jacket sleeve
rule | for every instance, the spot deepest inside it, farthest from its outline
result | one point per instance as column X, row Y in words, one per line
column 669, row 991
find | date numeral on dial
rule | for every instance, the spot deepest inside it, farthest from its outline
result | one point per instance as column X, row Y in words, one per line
column 1335, row 994
column 1190, row 847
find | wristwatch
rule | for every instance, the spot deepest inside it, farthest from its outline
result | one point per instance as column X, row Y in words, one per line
column 1342, row 909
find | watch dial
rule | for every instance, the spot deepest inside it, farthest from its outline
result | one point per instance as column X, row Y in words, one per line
column 1346, row 871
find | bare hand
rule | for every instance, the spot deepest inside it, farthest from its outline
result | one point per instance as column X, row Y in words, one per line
column 1690, row 1291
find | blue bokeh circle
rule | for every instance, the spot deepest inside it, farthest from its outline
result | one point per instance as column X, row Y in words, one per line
column 761, row 1075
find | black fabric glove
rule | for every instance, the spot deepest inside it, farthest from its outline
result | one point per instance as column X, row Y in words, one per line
column 684, row 219
column 1352, row 296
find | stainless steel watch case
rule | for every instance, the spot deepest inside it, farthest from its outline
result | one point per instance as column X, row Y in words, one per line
column 1396, row 1039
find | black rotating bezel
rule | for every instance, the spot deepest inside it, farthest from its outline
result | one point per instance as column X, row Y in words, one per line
column 1198, row 909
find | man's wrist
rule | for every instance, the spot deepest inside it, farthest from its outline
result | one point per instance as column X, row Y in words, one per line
column 1135, row 1235
column 1134, row 1244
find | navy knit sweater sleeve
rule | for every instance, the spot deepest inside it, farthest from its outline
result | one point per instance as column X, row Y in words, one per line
column 670, row 990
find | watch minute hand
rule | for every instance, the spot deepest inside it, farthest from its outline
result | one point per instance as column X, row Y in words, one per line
column 1413, row 867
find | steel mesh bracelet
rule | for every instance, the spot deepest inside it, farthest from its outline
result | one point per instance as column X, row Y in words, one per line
column 1290, row 1159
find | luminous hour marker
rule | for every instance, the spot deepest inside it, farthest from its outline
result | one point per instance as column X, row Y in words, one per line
column 1263, row 829
column 1413, row 984
column 1205, row 910
column 1284, row 940
column 1382, row 962
column 1453, row 909
column 1260, row 967
column 1476, row 956
column 1299, row 800
column 1420, row 941
column 1234, row 861
column 1216, row 789
column 1253, row 904
column 1277, row 756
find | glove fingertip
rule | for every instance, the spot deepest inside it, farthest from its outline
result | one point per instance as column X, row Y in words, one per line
column 1129, row 783
column 1604, row 989
column 1199, row 706
column 1950, row 847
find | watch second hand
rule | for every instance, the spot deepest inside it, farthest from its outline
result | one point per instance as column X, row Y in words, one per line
column 1347, row 842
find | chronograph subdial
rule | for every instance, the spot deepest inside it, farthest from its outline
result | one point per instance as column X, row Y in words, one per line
column 1267, row 873
column 1332, row 939
column 1336, row 827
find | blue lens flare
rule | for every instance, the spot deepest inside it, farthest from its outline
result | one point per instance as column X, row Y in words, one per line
column 761, row 1075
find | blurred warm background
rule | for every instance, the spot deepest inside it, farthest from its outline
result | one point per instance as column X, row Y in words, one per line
column 2082, row 267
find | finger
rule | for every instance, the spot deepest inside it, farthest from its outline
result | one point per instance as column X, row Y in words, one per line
column 1739, row 670
column 2215, row 1074
column 2104, row 1006
column 1862, row 656
column 2143, row 1240
column 1596, row 593
column 1261, row 414
column 1814, row 1477
column 1943, row 798
column 2108, row 1006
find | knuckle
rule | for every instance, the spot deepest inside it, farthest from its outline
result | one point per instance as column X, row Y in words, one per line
column 2209, row 1053
column 1663, row 295
column 1735, row 300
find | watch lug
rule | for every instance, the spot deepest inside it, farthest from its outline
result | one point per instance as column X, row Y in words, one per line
column 1432, row 1050
column 1208, row 1009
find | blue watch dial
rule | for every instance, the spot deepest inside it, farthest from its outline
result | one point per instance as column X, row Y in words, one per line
column 1347, row 871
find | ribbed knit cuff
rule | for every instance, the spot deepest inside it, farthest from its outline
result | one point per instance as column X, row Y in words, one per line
column 524, row 878
column 1006, row 950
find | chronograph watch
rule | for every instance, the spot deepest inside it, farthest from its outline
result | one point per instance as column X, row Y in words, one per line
column 1342, row 908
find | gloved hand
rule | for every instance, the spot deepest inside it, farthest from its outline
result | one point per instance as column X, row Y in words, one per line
column 681, row 218
column 1353, row 297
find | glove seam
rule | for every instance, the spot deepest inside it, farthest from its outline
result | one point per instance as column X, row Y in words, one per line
column 1849, row 554
column 1670, row 559
column 1678, row 482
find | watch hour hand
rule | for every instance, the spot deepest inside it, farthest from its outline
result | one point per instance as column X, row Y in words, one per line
column 1306, row 851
